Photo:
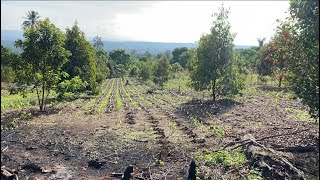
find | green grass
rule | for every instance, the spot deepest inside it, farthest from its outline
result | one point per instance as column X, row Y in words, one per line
column 105, row 100
column 214, row 130
column 134, row 104
column 119, row 102
column 17, row 101
column 255, row 174
column 222, row 158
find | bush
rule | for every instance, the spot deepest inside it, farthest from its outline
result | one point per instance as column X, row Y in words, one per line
column 67, row 88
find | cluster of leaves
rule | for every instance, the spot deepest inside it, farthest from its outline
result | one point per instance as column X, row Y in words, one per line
column 223, row 158
column 68, row 88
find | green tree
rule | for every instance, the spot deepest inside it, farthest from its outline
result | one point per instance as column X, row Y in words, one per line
column 214, row 54
column 304, row 55
column 134, row 71
column 97, row 42
column 161, row 73
column 175, row 68
column 261, row 41
column 146, row 71
column 32, row 19
column 82, row 62
column 179, row 58
column 264, row 64
column 8, row 60
column 119, row 56
column 42, row 59
column 249, row 57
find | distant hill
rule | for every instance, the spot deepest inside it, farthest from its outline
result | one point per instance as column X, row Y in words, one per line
column 9, row 36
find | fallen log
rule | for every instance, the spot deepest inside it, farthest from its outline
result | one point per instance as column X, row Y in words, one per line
column 8, row 174
column 298, row 149
column 273, row 164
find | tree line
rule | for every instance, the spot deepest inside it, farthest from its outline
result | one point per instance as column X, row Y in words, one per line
column 68, row 63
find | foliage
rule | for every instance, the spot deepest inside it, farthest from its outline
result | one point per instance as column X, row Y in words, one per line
column 146, row 71
column 32, row 19
column 299, row 44
column 119, row 56
column 214, row 56
column 231, row 81
column 97, row 42
column 82, row 62
column 223, row 158
column 67, row 88
column 248, row 55
column 255, row 174
column 175, row 68
column 42, row 59
column 161, row 73
column 8, row 61
column 102, row 71
column 264, row 66
column 134, row 71
column 180, row 55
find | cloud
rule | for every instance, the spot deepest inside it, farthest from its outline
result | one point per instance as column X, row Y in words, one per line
column 164, row 21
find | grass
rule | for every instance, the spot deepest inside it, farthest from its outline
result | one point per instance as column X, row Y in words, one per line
column 16, row 101
column 255, row 174
column 102, row 89
column 214, row 130
column 119, row 102
column 222, row 158
column 134, row 104
column 105, row 100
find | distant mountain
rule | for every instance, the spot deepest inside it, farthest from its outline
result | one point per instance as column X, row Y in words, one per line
column 9, row 36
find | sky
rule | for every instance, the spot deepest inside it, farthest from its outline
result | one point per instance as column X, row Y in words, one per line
column 152, row 21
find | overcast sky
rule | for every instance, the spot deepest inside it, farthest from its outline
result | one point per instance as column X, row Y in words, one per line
column 157, row 21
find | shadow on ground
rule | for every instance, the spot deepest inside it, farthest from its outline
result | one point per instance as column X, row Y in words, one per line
column 206, row 108
column 272, row 88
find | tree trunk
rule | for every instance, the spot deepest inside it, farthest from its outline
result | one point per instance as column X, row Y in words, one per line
column 42, row 98
column 38, row 97
column 214, row 90
column 280, row 80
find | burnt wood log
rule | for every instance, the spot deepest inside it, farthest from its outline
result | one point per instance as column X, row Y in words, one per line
column 192, row 171
column 273, row 164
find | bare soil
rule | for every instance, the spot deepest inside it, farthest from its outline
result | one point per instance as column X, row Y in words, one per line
column 157, row 137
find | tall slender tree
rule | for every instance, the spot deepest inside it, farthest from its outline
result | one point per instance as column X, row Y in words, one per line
column 32, row 19
column 215, row 58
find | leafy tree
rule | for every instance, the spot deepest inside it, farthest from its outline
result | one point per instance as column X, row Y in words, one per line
column 232, row 81
column 32, row 19
column 175, row 68
column 261, row 41
column 146, row 71
column 192, row 60
column 102, row 71
column 264, row 65
column 179, row 58
column 161, row 73
column 119, row 56
column 304, row 55
column 214, row 55
column 277, row 52
column 249, row 57
column 8, row 60
column 67, row 88
column 42, row 59
column 82, row 62
column 134, row 71
column 97, row 42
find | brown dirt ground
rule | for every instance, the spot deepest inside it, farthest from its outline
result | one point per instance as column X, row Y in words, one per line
column 64, row 139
